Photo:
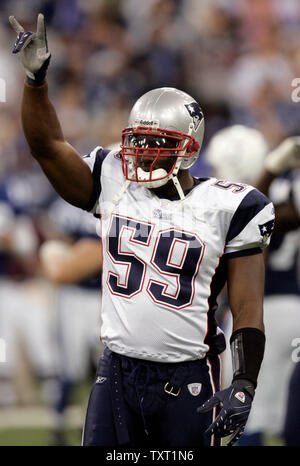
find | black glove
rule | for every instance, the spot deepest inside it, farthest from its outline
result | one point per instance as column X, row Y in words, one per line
column 32, row 48
column 236, row 402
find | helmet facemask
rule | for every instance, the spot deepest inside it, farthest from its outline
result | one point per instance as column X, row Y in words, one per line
column 152, row 156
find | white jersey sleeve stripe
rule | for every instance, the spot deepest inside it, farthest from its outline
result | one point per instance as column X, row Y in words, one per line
column 256, row 233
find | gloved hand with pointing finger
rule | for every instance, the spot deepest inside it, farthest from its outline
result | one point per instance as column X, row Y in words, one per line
column 32, row 48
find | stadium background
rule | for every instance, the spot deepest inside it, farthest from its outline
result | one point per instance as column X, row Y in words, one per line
column 238, row 58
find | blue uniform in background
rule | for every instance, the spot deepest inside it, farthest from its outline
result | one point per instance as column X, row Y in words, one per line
column 77, row 311
column 25, row 314
column 282, row 322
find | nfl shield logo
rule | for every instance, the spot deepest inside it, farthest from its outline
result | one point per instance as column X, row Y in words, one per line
column 240, row 396
column 194, row 388
column 101, row 379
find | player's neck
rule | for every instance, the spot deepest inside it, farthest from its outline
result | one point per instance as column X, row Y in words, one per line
column 169, row 190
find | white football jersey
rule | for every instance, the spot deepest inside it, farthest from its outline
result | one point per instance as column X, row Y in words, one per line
column 164, row 260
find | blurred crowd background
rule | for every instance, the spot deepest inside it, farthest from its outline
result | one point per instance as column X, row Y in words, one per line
column 238, row 58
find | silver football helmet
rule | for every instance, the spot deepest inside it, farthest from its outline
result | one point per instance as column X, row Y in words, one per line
column 163, row 123
column 237, row 153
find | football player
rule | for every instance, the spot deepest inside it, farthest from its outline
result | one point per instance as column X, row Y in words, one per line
column 170, row 242
column 246, row 157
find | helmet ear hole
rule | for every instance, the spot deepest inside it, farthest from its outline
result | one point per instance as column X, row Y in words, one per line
column 193, row 147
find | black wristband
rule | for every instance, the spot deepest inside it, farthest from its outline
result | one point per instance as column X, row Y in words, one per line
column 244, row 385
column 247, row 350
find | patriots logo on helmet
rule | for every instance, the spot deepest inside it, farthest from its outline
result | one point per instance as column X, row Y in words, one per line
column 266, row 229
column 196, row 113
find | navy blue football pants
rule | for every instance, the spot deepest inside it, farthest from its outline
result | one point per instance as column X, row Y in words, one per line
column 129, row 404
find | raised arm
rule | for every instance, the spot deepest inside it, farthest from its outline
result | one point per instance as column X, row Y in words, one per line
column 63, row 166
column 61, row 163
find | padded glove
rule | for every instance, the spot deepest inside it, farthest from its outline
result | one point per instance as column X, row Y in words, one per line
column 235, row 402
column 33, row 50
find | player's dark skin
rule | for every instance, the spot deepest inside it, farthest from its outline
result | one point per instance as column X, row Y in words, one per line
column 73, row 181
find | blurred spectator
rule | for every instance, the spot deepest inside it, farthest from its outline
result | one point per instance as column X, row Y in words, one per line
column 238, row 57
column 25, row 301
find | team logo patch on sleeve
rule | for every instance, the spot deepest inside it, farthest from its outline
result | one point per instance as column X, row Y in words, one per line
column 196, row 113
column 194, row 388
column 266, row 229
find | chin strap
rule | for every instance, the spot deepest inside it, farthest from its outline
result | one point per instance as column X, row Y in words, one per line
column 176, row 181
column 178, row 187
column 186, row 205
column 116, row 199
column 126, row 184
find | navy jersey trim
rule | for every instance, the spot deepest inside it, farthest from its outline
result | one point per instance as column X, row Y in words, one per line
column 244, row 252
column 96, row 173
column 250, row 206
column 215, row 341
